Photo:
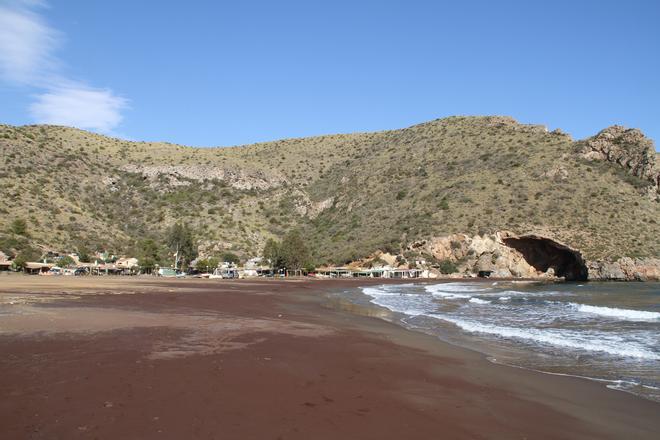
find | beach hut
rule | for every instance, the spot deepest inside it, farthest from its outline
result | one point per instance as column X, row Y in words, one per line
column 34, row 268
column 404, row 273
column 334, row 272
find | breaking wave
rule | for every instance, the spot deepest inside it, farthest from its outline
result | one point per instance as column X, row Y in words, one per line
column 613, row 312
column 543, row 327
column 613, row 345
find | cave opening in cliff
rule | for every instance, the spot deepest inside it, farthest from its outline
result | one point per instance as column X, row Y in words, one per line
column 544, row 254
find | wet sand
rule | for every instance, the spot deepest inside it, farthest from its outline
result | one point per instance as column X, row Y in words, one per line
column 131, row 358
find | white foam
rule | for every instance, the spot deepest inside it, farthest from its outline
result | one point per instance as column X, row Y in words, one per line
column 504, row 298
column 479, row 301
column 455, row 290
column 451, row 295
column 562, row 338
column 455, row 287
column 406, row 303
column 375, row 291
column 613, row 312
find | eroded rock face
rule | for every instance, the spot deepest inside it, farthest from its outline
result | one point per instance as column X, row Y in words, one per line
column 545, row 254
column 179, row 175
column 480, row 253
column 625, row 269
column 505, row 255
column 304, row 206
column 628, row 149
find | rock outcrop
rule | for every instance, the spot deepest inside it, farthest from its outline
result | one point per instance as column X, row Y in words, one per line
column 178, row 175
column 493, row 255
column 625, row 269
column 628, row 149
column 304, row 206
column 505, row 255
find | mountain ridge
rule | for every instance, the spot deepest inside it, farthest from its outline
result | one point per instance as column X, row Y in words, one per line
column 351, row 194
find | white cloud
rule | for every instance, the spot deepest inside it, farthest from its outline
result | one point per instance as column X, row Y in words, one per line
column 79, row 106
column 26, row 43
column 27, row 58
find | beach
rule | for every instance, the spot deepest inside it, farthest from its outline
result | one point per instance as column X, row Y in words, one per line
column 127, row 357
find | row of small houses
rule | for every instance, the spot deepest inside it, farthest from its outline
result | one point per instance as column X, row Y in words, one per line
column 123, row 266
column 129, row 266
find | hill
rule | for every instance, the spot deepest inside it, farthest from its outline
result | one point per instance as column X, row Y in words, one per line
column 350, row 194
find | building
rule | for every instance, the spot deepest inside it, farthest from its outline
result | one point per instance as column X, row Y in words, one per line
column 37, row 268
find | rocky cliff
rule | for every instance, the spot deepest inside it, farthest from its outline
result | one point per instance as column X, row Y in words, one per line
column 625, row 269
column 506, row 255
column 628, row 149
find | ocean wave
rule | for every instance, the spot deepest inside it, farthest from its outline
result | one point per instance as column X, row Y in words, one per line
column 613, row 312
column 446, row 295
column 562, row 338
column 376, row 291
column 456, row 287
column 529, row 293
column 407, row 303
column 479, row 301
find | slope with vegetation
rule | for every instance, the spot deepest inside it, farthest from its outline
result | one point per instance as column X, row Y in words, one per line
column 348, row 195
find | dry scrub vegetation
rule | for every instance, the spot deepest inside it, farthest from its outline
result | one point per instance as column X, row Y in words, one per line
column 349, row 194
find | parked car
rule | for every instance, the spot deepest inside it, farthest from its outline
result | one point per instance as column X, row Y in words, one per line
column 55, row 271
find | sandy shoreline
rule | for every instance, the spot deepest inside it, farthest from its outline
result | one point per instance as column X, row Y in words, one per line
column 148, row 358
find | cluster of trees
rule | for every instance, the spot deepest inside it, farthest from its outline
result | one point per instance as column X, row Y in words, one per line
column 291, row 253
column 15, row 243
column 213, row 262
column 181, row 244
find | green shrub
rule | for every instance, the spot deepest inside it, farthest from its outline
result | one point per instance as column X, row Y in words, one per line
column 19, row 227
column 447, row 267
column 65, row 261
column 230, row 257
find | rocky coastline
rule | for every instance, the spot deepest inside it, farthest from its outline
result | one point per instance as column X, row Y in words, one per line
column 530, row 256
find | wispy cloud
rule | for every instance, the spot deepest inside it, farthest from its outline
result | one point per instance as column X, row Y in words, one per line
column 79, row 107
column 27, row 58
column 26, row 43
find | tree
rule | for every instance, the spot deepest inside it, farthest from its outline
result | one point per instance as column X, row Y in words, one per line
column 65, row 261
column 19, row 227
column 83, row 253
column 230, row 257
column 294, row 251
column 207, row 264
column 26, row 255
column 181, row 243
column 291, row 253
column 272, row 254
column 148, row 254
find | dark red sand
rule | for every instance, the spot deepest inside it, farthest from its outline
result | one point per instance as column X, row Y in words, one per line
column 291, row 368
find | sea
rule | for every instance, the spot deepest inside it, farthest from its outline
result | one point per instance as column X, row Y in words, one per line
column 606, row 332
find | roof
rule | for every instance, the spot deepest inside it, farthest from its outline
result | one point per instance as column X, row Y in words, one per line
column 32, row 265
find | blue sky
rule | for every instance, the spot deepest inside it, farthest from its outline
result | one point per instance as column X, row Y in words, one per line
column 227, row 73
